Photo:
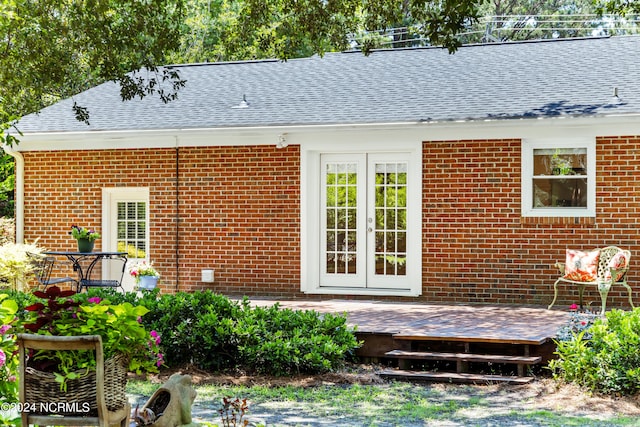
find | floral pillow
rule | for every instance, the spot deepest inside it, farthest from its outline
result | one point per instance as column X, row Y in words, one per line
column 581, row 266
column 619, row 261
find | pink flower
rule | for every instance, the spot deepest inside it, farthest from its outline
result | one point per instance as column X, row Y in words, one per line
column 12, row 378
column 139, row 319
column 160, row 359
column 95, row 300
column 3, row 358
column 583, row 323
column 4, row 328
column 156, row 336
column 573, row 307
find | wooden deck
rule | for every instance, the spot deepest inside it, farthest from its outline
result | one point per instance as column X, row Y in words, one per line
column 468, row 323
column 447, row 343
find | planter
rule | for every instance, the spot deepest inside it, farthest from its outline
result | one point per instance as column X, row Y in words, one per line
column 80, row 393
column 85, row 245
column 147, row 282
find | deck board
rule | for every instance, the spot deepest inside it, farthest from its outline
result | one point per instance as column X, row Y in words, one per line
column 500, row 324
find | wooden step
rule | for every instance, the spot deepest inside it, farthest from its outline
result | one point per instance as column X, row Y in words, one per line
column 464, row 357
column 452, row 377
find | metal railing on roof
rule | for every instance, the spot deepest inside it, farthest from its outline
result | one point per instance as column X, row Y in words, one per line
column 500, row 29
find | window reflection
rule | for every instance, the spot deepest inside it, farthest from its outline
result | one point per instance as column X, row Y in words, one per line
column 560, row 177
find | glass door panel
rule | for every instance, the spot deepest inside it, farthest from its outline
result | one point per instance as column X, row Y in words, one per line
column 387, row 246
column 342, row 201
column 132, row 229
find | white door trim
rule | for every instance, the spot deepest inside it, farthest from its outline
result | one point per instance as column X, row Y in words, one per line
column 111, row 195
column 310, row 187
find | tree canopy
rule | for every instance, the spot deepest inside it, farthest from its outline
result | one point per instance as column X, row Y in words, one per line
column 53, row 49
column 617, row 7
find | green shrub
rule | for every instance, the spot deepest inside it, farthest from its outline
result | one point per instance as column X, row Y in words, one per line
column 608, row 361
column 8, row 347
column 16, row 267
column 283, row 341
column 213, row 332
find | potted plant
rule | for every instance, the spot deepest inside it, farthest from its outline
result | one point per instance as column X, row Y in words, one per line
column 86, row 237
column 145, row 275
column 127, row 346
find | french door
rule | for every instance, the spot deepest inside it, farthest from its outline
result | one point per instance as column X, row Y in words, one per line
column 126, row 226
column 364, row 217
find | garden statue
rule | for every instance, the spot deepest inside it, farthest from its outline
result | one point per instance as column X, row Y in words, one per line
column 170, row 405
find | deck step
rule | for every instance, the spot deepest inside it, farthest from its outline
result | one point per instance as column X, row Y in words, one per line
column 464, row 357
column 451, row 377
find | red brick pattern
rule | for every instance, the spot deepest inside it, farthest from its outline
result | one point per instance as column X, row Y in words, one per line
column 239, row 210
column 478, row 248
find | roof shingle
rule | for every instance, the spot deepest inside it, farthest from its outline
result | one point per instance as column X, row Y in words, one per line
column 495, row 81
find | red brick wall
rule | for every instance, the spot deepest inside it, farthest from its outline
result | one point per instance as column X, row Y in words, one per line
column 239, row 210
column 240, row 215
column 478, row 248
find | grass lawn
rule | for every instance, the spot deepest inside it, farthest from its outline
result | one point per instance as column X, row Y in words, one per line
column 407, row 405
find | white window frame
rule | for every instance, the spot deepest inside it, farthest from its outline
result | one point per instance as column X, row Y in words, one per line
column 527, row 152
column 310, row 186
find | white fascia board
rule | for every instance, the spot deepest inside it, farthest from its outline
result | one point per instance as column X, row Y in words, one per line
column 592, row 126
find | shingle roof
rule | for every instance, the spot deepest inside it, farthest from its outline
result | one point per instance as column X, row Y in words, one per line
column 497, row 81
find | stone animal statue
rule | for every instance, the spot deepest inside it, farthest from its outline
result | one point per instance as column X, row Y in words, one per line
column 170, row 405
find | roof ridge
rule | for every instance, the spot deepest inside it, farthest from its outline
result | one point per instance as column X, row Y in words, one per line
column 243, row 61
column 502, row 43
column 351, row 51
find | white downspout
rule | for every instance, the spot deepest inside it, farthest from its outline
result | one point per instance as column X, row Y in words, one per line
column 19, row 192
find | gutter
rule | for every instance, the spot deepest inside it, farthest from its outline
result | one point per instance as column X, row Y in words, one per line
column 267, row 135
column 19, row 191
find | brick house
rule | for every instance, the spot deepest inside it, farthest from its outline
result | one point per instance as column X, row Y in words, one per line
column 405, row 175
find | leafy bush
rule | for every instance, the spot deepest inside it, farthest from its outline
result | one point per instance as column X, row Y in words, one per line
column 16, row 267
column 608, row 361
column 60, row 312
column 282, row 342
column 8, row 349
column 214, row 332
column 579, row 321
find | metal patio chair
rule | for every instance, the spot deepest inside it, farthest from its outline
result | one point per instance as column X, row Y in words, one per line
column 119, row 264
column 43, row 266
